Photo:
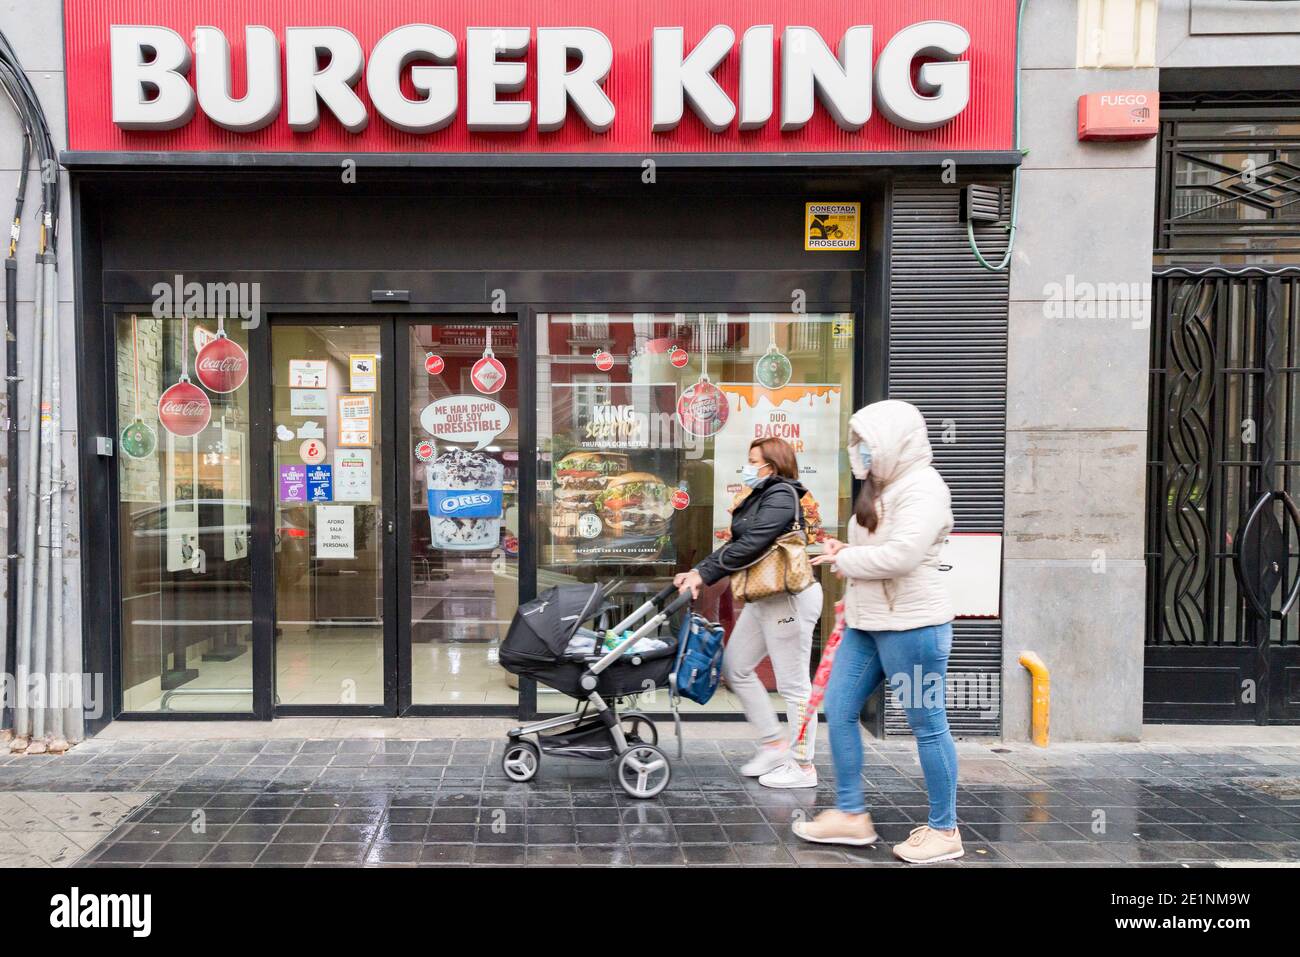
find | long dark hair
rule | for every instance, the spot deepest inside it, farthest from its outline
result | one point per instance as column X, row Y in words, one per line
column 864, row 507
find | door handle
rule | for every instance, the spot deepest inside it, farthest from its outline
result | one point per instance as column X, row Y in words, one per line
column 1257, row 592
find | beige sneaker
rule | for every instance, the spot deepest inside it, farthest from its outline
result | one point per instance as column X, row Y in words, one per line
column 925, row 845
column 836, row 827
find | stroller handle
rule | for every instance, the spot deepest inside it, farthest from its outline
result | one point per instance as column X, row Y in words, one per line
column 679, row 602
column 664, row 594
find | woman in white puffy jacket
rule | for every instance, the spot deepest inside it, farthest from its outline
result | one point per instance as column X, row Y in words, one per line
column 898, row 620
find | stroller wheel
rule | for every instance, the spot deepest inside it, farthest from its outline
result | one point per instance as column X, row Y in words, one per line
column 638, row 728
column 643, row 770
column 521, row 760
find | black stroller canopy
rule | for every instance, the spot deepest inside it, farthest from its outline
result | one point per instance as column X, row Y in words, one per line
column 542, row 627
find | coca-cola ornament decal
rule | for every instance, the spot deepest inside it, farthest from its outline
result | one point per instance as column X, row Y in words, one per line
column 488, row 374
column 604, row 359
column 434, row 364
column 184, row 409
column 222, row 364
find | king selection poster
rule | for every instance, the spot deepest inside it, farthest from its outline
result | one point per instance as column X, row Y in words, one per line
column 806, row 416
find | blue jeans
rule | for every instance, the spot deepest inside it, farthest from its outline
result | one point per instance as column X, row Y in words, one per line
column 916, row 663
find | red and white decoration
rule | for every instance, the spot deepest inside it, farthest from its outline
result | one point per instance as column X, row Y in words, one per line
column 678, row 357
column 488, row 374
column 184, row 409
column 222, row 364
column 603, row 359
column 702, row 409
column 681, row 499
column 434, row 364
column 312, row 451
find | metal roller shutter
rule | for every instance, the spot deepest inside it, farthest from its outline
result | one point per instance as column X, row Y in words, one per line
column 948, row 355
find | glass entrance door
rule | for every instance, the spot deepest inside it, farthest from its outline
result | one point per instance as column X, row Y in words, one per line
column 460, row 550
column 333, row 548
column 395, row 478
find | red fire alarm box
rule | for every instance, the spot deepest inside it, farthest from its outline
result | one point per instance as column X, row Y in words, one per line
column 1119, row 115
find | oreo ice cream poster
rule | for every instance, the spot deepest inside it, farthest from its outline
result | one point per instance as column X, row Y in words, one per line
column 465, row 485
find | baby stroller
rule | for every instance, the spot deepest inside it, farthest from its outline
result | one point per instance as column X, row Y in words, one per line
column 547, row 641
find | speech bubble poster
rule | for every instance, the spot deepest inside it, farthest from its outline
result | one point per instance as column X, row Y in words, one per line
column 465, row 420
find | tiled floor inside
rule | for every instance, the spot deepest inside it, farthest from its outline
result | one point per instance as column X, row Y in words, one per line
column 373, row 801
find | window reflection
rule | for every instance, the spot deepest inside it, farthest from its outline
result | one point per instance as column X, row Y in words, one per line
column 644, row 421
column 184, row 515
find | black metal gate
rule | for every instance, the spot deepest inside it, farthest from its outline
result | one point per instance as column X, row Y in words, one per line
column 1224, row 433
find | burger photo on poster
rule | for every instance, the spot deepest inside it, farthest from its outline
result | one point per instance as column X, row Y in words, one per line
column 579, row 478
column 636, row 503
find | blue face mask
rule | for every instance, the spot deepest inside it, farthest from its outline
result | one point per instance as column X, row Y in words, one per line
column 864, row 455
column 749, row 474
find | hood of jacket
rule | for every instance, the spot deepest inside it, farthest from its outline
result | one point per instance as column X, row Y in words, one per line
column 895, row 433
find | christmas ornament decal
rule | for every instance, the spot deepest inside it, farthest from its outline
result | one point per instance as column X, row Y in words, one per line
column 184, row 409
column 773, row 369
column 222, row 364
column 139, row 440
column 488, row 374
column 434, row 364
column 604, row 361
column 702, row 409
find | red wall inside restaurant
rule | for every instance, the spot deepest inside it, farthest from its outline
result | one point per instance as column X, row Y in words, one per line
column 985, row 124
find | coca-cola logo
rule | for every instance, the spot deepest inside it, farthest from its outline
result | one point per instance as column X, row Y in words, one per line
column 222, row 365
column 187, row 409
column 184, row 409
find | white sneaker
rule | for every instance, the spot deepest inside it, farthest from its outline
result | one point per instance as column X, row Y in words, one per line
column 766, row 759
column 790, row 775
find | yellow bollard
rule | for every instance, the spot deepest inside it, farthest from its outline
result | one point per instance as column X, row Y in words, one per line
column 1042, row 695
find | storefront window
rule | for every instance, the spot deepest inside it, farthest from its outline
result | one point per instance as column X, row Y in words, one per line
column 184, row 515
column 644, row 421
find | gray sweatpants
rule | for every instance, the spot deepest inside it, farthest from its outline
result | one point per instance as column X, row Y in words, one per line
column 780, row 628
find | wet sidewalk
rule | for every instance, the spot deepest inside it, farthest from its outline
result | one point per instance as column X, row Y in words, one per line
column 380, row 801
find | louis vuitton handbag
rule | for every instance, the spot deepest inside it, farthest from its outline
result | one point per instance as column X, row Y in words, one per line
column 784, row 569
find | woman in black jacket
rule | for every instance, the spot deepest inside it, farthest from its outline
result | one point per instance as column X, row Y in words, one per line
column 779, row 627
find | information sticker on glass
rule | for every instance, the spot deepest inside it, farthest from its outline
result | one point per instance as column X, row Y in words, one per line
column 355, row 421
column 307, row 401
column 335, row 531
column 308, row 373
column 352, row 475
column 364, row 372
